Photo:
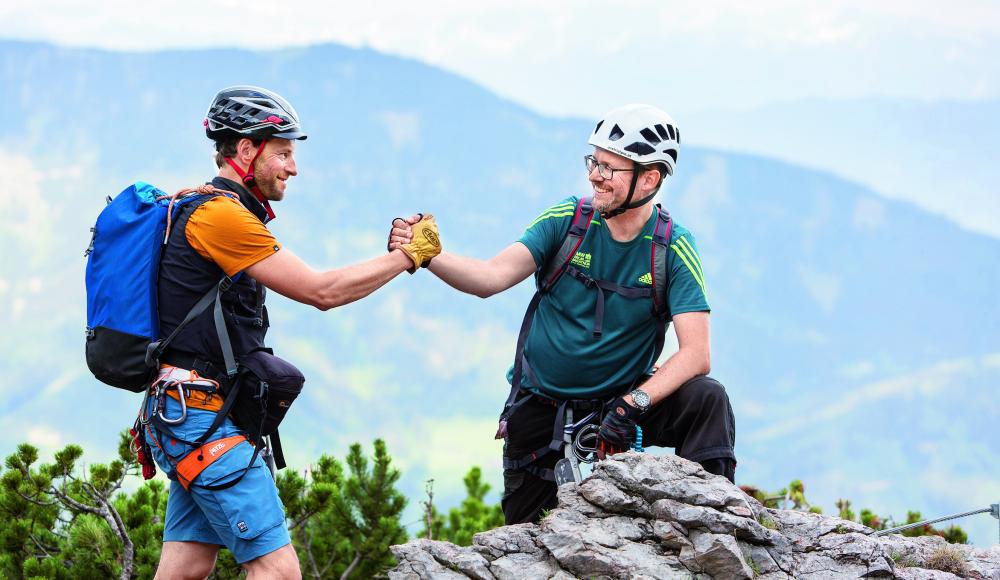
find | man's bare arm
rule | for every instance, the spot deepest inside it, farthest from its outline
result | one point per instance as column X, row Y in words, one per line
column 484, row 278
column 288, row 275
column 693, row 357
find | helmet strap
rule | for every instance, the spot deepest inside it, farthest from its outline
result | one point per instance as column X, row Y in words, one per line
column 250, row 181
column 627, row 204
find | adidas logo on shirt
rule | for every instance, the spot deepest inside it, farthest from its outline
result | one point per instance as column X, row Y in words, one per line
column 646, row 278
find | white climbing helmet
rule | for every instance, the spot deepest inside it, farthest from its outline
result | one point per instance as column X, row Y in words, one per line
column 641, row 133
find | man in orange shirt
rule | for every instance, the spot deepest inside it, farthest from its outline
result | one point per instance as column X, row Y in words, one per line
column 225, row 235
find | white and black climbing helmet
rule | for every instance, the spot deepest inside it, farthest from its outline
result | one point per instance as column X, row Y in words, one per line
column 642, row 133
column 248, row 111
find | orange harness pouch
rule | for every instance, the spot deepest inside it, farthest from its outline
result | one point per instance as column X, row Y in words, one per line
column 199, row 459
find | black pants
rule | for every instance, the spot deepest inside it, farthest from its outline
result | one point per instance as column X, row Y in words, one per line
column 696, row 420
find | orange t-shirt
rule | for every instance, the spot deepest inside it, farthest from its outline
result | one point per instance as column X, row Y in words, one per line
column 226, row 233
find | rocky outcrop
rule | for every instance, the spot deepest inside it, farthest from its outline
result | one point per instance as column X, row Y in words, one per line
column 645, row 517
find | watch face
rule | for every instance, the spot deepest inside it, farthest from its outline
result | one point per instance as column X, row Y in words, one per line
column 641, row 399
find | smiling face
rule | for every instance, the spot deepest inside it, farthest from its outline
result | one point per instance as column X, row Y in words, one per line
column 612, row 193
column 273, row 168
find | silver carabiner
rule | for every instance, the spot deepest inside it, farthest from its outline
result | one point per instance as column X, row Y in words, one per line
column 143, row 409
column 180, row 396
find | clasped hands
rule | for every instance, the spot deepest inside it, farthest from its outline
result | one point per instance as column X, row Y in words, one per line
column 417, row 237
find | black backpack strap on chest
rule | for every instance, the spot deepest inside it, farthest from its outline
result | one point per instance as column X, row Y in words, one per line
column 661, row 276
column 555, row 267
column 550, row 273
column 601, row 286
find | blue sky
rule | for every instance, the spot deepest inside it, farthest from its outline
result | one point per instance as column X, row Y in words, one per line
column 711, row 64
column 580, row 57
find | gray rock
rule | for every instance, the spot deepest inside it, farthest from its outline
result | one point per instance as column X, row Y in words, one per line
column 711, row 520
column 670, row 477
column 499, row 542
column 640, row 516
column 429, row 559
column 671, row 535
column 760, row 560
column 916, row 556
column 720, row 556
column 606, row 547
column 520, row 566
column 610, row 498
column 571, row 499
column 923, row 574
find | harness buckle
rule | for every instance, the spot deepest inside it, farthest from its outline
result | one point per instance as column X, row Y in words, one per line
column 153, row 354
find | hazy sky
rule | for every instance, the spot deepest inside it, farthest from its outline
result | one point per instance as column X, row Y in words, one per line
column 704, row 62
column 580, row 57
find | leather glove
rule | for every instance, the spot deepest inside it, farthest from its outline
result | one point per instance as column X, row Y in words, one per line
column 617, row 432
column 425, row 244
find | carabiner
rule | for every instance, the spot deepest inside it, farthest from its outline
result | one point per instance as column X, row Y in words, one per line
column 161, row 406
column 143, row 414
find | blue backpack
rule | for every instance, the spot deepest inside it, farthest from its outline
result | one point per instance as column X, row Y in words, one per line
column 123, row 262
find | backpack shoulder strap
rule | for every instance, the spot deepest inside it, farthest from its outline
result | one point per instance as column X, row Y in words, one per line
column 658, row 263
column 554, row 268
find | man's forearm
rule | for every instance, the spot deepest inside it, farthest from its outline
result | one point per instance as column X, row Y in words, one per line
column 469, row 275
column 345, row 285
column 684, row 365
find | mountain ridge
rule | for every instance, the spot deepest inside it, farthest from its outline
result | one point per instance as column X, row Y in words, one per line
column 818, row 286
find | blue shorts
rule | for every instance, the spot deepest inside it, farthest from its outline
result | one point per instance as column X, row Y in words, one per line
column 248, row 518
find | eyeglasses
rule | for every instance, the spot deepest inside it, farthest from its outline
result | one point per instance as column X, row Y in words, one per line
column 603, row 169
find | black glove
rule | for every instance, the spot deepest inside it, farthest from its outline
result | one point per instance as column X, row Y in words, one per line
column 617, row 432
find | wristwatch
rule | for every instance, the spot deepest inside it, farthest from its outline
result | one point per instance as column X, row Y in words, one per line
column 640, row 399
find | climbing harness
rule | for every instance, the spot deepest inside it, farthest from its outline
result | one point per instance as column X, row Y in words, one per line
column 546, row 279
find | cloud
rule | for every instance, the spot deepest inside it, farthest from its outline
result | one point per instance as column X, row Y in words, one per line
column 546, row 54
column 45, row 438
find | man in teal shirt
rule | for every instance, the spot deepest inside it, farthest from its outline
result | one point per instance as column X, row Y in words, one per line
column 591, row 339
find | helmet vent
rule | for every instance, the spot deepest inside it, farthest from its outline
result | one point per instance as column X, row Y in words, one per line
column 650, row 136
column 640, row 148
column 663, row 132
column 672, row 153
column 678, row 136
column 599, row 123
column 263, row 103
column 616, row 133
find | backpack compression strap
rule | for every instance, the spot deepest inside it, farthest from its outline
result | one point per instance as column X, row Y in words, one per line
column 553, row 269
column 571, row 243
column 658, row 271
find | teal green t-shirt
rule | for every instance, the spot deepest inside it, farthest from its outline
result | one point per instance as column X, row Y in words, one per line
column 567, row 359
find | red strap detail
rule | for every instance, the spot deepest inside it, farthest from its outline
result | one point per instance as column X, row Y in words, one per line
column 579, row 242
column 248, row 179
